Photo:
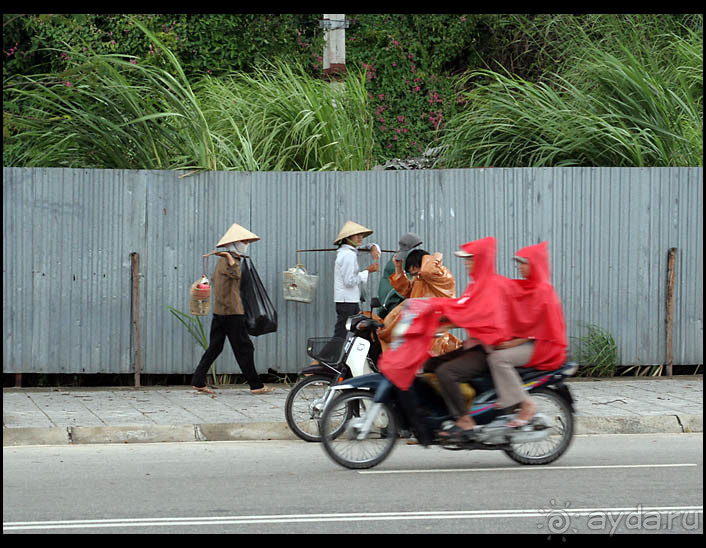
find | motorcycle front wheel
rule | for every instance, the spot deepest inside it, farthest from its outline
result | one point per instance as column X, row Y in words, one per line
column 305, row 404
column 344, row 442
column 561, row 422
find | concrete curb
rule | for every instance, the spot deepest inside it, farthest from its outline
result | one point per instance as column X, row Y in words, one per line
column 258, row 431
column 658, row 424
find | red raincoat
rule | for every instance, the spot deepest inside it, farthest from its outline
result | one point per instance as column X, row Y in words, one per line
column 535, row 311
column 481, row 311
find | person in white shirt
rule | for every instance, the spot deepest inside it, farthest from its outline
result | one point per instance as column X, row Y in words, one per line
column 347, row 275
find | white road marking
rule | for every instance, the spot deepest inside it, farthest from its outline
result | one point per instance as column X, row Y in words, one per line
column 525, row 468
column 308, row 518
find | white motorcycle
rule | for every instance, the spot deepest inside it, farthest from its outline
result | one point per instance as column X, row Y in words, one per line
column 338, row 360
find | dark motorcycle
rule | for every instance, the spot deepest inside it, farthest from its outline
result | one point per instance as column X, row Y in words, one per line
column 360, row 426
column 339, row 360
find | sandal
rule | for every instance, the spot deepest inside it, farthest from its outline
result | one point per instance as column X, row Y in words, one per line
column 263, row 390
column 517, row 423
column 203, row 389
column 457, row 433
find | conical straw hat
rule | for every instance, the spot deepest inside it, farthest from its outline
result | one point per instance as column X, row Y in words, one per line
column 237, row 233
column 351, row 229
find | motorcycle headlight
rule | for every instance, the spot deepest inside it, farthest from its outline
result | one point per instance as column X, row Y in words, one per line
column 349, row 323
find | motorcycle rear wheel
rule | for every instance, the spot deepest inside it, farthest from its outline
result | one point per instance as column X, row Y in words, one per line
column 340, row 440
column 562, row 424
column 304, row 406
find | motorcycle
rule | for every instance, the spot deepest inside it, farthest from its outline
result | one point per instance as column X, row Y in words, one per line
column 360, row 427
column 339, row 359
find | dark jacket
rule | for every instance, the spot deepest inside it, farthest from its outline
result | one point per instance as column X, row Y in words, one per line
column 389, row 298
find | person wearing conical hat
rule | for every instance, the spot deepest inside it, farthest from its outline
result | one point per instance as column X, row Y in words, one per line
column 228, row 312
column 347, row 275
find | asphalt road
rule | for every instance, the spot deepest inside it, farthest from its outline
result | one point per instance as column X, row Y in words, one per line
column 604, row 484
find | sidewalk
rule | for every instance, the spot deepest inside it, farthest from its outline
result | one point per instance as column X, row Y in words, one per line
column 61, row 416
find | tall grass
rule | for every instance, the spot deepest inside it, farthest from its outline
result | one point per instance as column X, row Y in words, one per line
column 279, row 118
column 608, row 106
column 110, row 111
column 596, row 353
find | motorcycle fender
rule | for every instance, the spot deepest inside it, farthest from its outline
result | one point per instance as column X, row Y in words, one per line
column 318, row 370
column 563, row 390
column 356, row 359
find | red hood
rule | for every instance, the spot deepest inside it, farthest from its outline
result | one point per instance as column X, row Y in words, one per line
column 538, row 257
column 483, row 251
column 535, row 310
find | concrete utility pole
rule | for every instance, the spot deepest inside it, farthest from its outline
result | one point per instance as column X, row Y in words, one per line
column 334, row 25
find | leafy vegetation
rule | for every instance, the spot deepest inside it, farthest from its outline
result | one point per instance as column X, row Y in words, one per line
column 633, row 101
column 213, row 91
column 109, row 111
column 596, row 353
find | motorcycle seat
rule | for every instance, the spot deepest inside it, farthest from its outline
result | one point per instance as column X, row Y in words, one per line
column 527, row 374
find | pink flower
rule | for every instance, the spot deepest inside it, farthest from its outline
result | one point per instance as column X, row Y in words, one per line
column 400, row 119
column 394, row 64
column 68, row 84
column 381, row 96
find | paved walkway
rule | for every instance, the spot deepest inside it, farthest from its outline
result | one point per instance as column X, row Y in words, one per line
column 50, row 416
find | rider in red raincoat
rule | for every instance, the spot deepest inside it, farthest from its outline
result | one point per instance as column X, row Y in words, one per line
column 513, row 319
column 481, row 311
column 535, row 311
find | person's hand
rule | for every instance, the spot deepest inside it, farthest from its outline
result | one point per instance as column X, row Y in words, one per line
column 398, row 264
column 373, row 267
column 375, row 252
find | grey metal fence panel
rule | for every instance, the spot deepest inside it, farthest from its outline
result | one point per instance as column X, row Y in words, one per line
column 68, row 235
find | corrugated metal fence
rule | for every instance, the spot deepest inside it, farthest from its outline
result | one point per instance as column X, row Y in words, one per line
column 68, row 235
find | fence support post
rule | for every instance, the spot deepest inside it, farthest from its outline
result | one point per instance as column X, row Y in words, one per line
column 135, row 309
column 670, row 307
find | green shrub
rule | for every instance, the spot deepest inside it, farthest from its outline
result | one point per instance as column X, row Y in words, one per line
column 595, row 352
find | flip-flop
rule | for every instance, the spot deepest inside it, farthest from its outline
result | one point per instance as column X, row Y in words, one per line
column 517, row 423
column 203, row 389
column 263, row 390
column 457, row 433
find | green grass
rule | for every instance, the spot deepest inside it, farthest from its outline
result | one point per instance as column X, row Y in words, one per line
column 109, row 111
column 619, row 101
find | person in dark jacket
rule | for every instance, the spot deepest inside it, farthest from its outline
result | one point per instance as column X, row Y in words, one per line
column 388, row 296
column 228, row 313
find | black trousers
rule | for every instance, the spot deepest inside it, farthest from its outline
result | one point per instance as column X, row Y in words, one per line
column 235, row 329
column 343, row 310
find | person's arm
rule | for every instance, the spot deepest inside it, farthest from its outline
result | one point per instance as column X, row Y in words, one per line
column 373, row 248
column 399, row 280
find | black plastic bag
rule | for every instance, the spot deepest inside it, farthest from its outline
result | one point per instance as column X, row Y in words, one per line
column 260, row 315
